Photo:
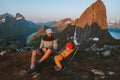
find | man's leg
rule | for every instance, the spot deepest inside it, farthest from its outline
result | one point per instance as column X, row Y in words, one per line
column 46, row 54
column 33, row 58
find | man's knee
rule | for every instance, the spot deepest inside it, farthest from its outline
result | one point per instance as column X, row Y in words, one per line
column 34, row 52
column 44, row 50
column 49, row 51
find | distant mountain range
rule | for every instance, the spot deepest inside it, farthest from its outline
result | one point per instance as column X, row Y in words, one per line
column 114, row 24
column 50, row 24
column 16, row 27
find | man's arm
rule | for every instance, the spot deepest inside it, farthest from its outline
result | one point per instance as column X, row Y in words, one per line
column 41, row 44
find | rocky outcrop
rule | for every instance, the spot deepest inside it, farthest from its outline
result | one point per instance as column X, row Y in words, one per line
column 39, row 33
column 62, row 24
column 92, row 23
column 7, row 47
column 96, row 13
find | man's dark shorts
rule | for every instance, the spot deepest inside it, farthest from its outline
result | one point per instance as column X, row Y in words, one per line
column 41, row 51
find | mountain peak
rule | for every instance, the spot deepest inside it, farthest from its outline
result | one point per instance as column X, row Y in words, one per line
column 3, row 17
column 96, row 13
column 7, row 15
column 19, row 16
column 99, row 0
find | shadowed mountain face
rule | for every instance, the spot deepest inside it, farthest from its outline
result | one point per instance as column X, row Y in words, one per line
column 14, row 27
column 83, row 34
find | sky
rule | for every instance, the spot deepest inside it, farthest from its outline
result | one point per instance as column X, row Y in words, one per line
column 55, row 10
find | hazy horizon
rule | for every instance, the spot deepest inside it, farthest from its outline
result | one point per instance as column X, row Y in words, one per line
column 53, row 10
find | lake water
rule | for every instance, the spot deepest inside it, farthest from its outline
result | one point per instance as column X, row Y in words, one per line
column 29, row 36
column 114, row 34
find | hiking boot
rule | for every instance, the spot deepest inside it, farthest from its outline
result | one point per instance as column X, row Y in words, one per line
column 57, row 68
column 37, row 66
column 31, row 72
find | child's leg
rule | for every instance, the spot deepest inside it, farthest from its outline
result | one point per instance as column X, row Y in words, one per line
column 58, row 59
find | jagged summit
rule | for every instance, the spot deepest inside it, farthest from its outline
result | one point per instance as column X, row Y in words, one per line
column 19, row 16
column 4, row 16
column 96, row 13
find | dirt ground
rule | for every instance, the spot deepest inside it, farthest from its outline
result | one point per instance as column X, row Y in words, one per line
column 80, row 68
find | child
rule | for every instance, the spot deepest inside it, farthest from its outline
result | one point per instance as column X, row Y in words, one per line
column 63, row 55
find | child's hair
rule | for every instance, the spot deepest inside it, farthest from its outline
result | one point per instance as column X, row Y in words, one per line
column 70, row 45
